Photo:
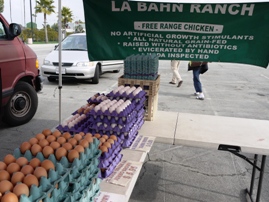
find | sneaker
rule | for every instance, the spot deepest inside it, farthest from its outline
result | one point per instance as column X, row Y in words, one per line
column 172, row 83
column 200, row 96
column 179, row 83
column 196, row 93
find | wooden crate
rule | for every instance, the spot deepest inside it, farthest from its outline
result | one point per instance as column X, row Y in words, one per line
column 151, row 106
column 150, row 86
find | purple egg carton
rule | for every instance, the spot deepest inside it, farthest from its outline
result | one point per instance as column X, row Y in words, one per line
column 105, row 162
column 94, row 100
column 141, row 112
column 124, row 95
column 107, row 171
column 128, row 142
column 79, row 127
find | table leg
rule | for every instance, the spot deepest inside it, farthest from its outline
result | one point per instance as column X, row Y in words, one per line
column 253, row 175
column 261, row 178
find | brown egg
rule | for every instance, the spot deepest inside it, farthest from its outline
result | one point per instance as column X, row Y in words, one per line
column 13, row 167
column 51, row 138
column 72, row 154
column 3, row 165
column 107, row 144
column 17, row 177
column 110, row 141
column 35, row 162
column 61, row 140
column 27, row 169
column 105, row 136
column 9, row 158
column 82, row 134
column 5, row 185
column 113, row 137
column 43, row 143
column 47, row 164
column 20, row 189
column 79, row 148
column 47, row 150
column 88, row 134
column 67, row 146
column 56, row 133
column 102, row 140
column 84, row 143
column 73, row 141
column 33, row 141
column 35, row 149
column 77, row 137
column 25, row 146
column 46, row 132
column 4, row 175
column 55, row 145
column 103, row 149
column 97, row 135
column 30, row 179
column 66, row 135
column 22, row 161
column 60, row 152
column 9, row 197
column 40, row 136
column 40, row 172
column 88, row 138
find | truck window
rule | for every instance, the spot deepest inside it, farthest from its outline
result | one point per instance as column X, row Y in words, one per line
column 2, row 31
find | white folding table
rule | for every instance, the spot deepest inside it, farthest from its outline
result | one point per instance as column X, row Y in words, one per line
column 231, row 134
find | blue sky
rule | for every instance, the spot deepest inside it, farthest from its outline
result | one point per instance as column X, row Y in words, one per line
column 17, row 11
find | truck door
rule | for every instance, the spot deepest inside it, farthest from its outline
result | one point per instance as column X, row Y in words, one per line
column 12, row 60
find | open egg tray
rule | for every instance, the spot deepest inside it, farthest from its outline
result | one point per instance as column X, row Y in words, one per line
column 107, row 171
column 113, row 127
column 106, row 158
column 87, row 195
column 118, row 96
column 79, row 127
column 123, row 113
column 95, row 100
column 128, row 142
column 112, row 119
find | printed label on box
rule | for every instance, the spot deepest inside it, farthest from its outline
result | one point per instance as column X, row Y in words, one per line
column 142, row 143
column 108, row 197
column 124, row 172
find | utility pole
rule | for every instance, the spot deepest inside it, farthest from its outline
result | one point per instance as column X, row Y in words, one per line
column 31, row 19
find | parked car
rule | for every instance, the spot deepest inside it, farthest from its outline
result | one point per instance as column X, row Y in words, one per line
column 75, row 61
column 19, row 76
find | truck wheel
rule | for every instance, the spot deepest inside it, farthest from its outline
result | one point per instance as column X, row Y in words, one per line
column 51, row 79
column 95, row 79
column 22, row 105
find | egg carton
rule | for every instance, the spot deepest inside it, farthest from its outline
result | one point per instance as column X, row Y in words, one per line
column 37, row 192
column 107, row 157
column 76, row 175
column 79, row 127
column 53, row 175
column 123, row 113
column 125, row 96
column 113, row 119
column 128, row 142
column 86, row 195
column 96, row 99
column 107, row 171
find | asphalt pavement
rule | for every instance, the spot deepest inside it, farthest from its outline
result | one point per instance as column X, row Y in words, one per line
column 172, row 173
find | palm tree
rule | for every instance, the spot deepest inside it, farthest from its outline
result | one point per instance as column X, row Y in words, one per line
column 1, row 6
column 45, row 7
column 66, row 17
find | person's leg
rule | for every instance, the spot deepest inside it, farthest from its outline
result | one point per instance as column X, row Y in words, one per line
column 196, row 80
column 197, row 83
column 176, row 76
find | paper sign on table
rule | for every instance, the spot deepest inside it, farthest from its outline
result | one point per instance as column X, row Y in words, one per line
column 142, row 143
column 108, row 197
column 124, row 172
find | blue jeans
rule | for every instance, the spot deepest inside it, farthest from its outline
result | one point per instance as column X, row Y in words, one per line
column 196, row 80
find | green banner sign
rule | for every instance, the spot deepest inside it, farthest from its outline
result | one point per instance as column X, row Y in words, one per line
column 237, row 33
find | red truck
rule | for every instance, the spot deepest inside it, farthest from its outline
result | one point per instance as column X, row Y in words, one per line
column 19, row 76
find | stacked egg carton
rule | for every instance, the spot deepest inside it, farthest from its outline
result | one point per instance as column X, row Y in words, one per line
column 110, row 146
column 58, row 171
column 140, row 66
column 137, row 97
